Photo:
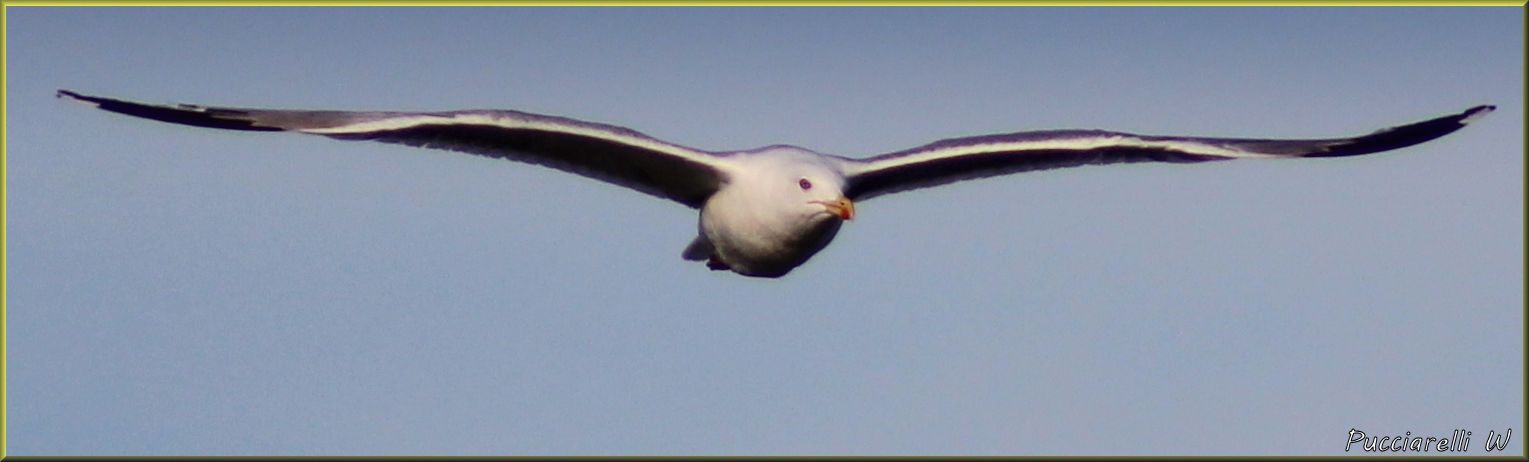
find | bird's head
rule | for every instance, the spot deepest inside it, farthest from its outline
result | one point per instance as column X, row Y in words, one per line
column 824, row 195
column 801, row 183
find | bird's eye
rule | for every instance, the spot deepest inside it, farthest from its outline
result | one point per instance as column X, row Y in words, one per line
column 804, row 184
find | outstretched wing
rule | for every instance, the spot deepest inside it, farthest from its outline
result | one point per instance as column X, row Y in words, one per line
column 959, row 159
column 605, row 152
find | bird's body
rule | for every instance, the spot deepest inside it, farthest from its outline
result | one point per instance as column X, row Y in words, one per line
column 758, row 224
column 766, row 211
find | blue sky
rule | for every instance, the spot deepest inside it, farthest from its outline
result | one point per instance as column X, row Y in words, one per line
column 183, row 291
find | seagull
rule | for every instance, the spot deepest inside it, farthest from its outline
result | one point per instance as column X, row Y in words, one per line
column 764, row 211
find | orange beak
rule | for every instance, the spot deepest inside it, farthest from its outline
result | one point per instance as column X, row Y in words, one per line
column 841, row 207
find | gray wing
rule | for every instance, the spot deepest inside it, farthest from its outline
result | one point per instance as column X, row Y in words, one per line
column 957, row 159
column 605, row 152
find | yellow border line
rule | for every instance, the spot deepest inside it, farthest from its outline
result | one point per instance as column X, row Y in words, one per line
column 5, row 239
column 768, row 3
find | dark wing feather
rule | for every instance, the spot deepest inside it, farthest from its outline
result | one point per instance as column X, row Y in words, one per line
column 605, row 152
column 952, row 160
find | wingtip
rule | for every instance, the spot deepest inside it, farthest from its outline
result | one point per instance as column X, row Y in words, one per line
column 79, row 98
column 1476, row 113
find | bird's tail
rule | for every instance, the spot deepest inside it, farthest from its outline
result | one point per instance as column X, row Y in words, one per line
column 698, row 250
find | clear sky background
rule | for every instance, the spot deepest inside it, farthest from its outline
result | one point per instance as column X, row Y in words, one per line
column 185, row 291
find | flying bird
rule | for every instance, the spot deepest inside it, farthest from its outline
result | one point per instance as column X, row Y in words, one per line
column 764, row 211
